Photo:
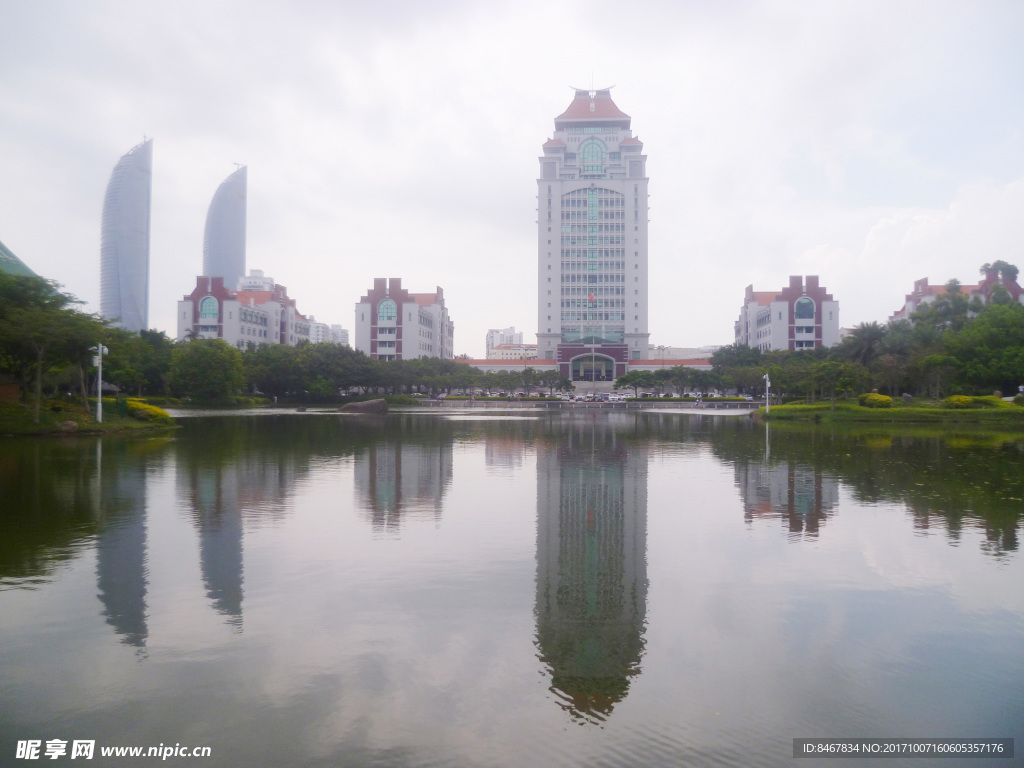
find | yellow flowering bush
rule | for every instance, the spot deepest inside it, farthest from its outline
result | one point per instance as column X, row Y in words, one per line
column 137, row 409
column 959, row 401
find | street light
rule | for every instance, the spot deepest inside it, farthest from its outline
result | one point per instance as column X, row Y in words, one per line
column 767, row 395
column 97, row 360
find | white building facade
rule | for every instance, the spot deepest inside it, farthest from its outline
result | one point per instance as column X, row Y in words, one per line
column 499, row 336
column 339, row 335
column 241, row 318
column 592, row 242
column 394, row 324
column 801, row 316
column 319, row 332
column 513, row 352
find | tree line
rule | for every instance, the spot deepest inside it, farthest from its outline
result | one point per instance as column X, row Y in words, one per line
column 954, row 345
column 47, row 346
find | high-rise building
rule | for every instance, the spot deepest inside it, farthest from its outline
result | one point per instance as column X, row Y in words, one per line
column 498, row 336
column 592, row 242
column 224, row 237
column 339, row 335
column 124, row 241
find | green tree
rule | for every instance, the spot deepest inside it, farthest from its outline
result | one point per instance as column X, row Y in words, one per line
column 635, row 380
column 937, row 371
column 271, row 369
column 949, row 311
column 891, row 371
column 736, row 356
column 864, row 343
column 209, row 369
column 989, row 351
column 679, row 378
column 1006, row 271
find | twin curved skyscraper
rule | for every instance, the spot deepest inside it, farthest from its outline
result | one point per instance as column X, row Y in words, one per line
column 125, row 236
column 224, row 238
column 124, row 240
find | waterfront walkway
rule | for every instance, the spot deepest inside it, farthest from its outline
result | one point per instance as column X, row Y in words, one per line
column 733, row 406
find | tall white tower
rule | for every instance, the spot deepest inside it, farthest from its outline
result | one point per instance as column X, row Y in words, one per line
column 592, row 241
column 124, row 240
column 224, row 237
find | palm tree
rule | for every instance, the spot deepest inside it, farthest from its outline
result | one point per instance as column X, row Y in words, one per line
column 861, row 346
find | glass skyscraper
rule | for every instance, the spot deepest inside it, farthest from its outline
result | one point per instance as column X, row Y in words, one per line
column 124, row 241
column 224, row 238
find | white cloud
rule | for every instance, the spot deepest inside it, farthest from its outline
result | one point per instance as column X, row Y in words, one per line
column 871, row 144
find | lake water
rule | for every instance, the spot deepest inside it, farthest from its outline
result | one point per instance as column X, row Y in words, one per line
column 509, row 589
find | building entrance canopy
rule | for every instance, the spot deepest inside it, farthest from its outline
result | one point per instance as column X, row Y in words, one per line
column 592, row 368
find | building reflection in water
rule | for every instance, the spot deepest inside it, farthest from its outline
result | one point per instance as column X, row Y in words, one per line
column 801, row 496
column 591, row 563
column 121, row 567
column 396, row 480
column 221, row 490
column 217, row 513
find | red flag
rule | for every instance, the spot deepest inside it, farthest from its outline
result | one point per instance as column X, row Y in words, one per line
column 591, row 297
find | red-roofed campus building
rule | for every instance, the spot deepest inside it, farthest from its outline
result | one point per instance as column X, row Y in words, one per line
column 260, row 312
column 394, row 324
column 801, row 316
column 924, row 293
column 592, row 242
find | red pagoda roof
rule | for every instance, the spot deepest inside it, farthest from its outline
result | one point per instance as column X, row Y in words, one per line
column 597, row 107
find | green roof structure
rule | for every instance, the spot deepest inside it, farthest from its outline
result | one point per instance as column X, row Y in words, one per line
column 12, row 265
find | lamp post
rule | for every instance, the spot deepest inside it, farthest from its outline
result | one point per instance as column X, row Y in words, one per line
column 100, row 351
column 767, row 394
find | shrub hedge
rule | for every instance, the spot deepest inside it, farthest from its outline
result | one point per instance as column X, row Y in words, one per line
column 875, row 400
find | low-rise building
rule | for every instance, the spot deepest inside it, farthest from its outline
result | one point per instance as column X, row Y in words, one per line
column 802, row 315
column 242, row 318
column 924, row 294
column 394, row 324
column 659, row 352
column 513, row 352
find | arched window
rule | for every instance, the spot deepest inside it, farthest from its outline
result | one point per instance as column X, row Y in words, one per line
column 803, row 309
column 387, row 310
column 592, row 156
column 208, row 308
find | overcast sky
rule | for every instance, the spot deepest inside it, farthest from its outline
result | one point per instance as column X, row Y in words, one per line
column 871, row 143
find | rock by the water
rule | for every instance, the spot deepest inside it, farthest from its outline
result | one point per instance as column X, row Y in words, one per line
column 68, row 426
column 367, row 406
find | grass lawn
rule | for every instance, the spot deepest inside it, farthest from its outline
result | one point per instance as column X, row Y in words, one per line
column 17, row 419
column 988, row 411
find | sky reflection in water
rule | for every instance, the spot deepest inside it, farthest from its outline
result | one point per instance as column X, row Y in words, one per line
column 628, row 589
